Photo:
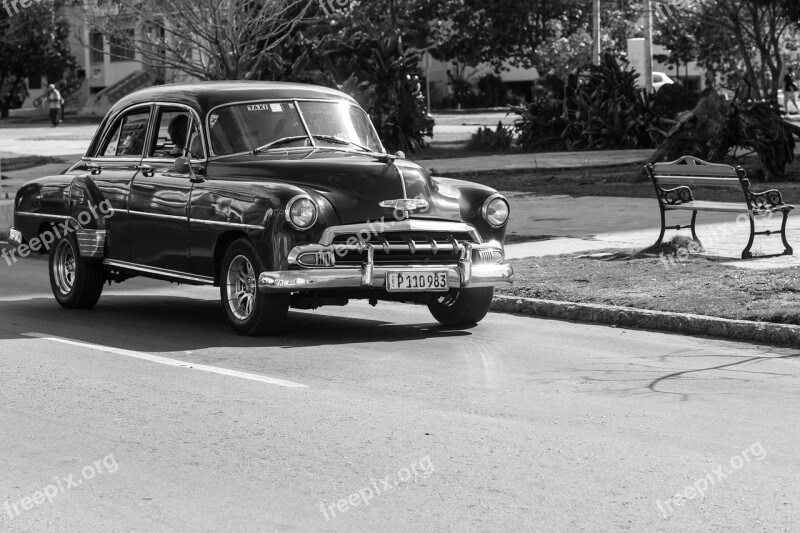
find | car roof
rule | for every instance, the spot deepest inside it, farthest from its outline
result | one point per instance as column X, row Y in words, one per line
column 207, row 95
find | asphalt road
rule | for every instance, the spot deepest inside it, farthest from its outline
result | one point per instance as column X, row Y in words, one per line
column 518, row 424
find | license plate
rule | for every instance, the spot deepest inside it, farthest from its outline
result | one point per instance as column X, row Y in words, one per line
column 410, row 281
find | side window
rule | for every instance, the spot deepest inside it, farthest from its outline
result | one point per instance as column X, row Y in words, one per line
column 128, row 135
column 176, row 135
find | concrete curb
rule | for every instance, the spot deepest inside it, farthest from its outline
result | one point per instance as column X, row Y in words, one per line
column 738, row 330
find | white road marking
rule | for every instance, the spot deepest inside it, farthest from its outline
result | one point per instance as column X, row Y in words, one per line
column 166, row 291
column 167, row 361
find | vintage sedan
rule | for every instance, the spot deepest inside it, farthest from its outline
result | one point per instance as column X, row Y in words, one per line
column 280, row 194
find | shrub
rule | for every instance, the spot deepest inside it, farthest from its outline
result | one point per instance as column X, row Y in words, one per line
column 599, row 107
column 489, row 140
column 672, row 99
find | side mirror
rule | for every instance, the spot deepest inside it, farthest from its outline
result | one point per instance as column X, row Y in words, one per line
column 400, row 155
column 183, row 166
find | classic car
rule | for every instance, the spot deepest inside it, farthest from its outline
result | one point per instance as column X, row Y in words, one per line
column 280, row 194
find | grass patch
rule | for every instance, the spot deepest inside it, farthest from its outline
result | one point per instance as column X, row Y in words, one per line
column 700, row 284
column 622, row 181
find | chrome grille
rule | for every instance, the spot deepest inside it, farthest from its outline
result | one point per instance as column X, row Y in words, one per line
column 401, row 247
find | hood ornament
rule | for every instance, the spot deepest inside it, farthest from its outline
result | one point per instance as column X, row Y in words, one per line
column 406, row 204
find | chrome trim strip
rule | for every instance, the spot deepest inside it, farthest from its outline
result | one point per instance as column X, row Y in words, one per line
column 159, row 215
column 403, row 225
column 402, row 182
column 228, row 224
column 43, row 215
column 158, row 271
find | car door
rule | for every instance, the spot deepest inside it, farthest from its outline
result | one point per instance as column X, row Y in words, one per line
column 113, row 165
column 160, row 196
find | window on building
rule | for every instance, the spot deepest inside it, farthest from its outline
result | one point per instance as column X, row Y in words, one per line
column 96, row 47
column 35, row 81
column 120, row 48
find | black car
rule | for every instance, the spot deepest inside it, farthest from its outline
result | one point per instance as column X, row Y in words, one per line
column 281, row 194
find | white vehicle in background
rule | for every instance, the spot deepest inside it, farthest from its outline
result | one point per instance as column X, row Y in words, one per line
column 660, row 79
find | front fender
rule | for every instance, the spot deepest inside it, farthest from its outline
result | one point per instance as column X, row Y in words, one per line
column 222, row 211
column 471, row 197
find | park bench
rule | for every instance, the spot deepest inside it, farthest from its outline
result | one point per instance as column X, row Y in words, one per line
column 673, row 183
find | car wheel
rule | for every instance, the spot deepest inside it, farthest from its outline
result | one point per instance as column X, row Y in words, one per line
column 248, row 311
column 76, row 283
column 465, row 306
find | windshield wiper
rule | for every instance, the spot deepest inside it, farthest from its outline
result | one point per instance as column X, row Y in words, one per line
column 282, row 140
column 339, row 140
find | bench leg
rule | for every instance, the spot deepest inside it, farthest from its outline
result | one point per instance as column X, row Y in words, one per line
column 663, row 227
column 788, row 249
column 694, row 234
column 746, row 252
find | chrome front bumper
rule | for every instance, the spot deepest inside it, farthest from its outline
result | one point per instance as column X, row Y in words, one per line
column 465, row 273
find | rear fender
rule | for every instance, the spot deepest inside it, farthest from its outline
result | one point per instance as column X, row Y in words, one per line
column 91, row 211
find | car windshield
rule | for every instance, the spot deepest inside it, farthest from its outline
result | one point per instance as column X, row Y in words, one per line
column 256, row 127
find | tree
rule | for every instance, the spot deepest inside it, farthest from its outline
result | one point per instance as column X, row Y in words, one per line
column 756, row 26
column 740, row 39
column 206, row 39
column 34, row 43
column 570, row 46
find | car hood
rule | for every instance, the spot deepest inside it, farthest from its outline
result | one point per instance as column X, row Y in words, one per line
column 355, row 184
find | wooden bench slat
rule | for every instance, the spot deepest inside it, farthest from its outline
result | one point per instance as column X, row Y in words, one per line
column 693, row 170
column 729, row 207
column 698, row 181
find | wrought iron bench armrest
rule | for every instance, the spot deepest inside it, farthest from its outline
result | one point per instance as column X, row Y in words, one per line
column 768, row 198
column 679, row 195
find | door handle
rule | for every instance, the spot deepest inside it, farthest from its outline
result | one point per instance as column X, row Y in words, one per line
column 146, row 170
column 93, row 168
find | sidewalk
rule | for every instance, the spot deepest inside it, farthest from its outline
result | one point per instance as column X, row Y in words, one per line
column 19, row 140
column 444, row 167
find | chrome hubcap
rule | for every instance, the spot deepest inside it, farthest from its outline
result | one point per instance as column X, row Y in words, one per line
column 241, row 287
column 64, row 265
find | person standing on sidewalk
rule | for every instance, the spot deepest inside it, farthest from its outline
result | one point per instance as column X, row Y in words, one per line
column 789, row 87
column 54, row 102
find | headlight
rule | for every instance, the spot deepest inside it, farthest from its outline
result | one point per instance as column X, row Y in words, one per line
column 495, row 211
column 301, row 212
